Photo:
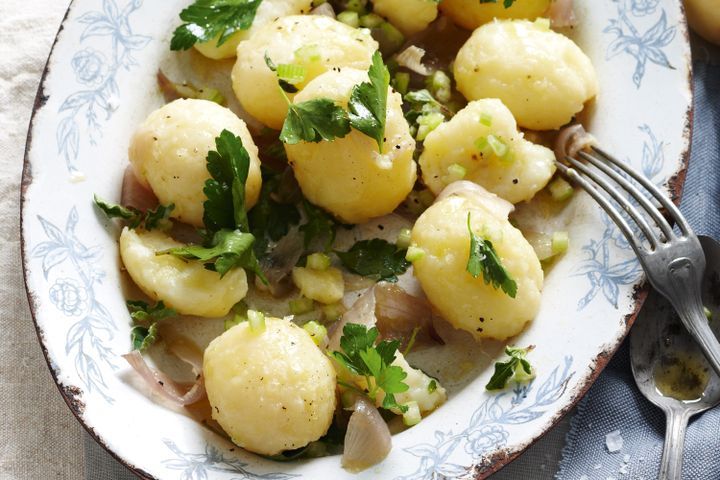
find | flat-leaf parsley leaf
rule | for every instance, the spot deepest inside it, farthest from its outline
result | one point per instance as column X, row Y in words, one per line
column 516, row 366
column 375, row 258
column 368, row 102
column 208, row 19
column 484, row 260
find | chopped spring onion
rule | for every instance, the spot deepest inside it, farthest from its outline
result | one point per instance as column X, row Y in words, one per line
column 427, row 123
column 414, row 254
column 560, row 241
column 412, row 415
column 440, row 85
column 560, row 189
column 393, row 38
column 256, row 320
column 403, row 239
column 317, row 332
column 371, row 20
column 291, row 73
column 332, row 311
column 349, row 18
column 401, row 82
column 307, row 54
column 357, row 6
column 486, row 119
column 301, row 305
column 318, row 261
column 498, row 147
column 455, row 172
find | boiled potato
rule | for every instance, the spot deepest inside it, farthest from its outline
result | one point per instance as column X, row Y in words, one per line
column 272, row 390
column 168, row 154
column 704, row 17
column 466, row 302
column 346, row 176
column 542, row 76
column 409, row 16
column 314, row 42
column 324, row 286
column 419, row 388
column 267, row 12
column 187, row 287
column 471, row 14
column 516, row 176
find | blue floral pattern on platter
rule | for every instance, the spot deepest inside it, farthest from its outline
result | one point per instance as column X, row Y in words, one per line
column 604, row 273
column 630, row 40
column 97, row 71
column 88, row 338
column 487, row 430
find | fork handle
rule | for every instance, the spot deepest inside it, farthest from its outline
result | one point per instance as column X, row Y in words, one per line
column 685, row 297
column 672, row 457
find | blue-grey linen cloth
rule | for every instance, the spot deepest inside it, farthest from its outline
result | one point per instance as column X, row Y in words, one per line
column 614, row 402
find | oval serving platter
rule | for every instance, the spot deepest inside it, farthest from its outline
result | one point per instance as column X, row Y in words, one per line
column 99, row 84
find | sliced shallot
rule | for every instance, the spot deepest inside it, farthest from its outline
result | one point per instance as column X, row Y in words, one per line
column 362, row 312
column 411, row 58
column 571, row 140
column 163, row 385
column 279, row 263
column 561, row 13
column 400, row 314
column 135, row 194
column 367, row 440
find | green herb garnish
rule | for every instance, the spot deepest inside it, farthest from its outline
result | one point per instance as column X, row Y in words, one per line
column 484, row 260
column 515, row 367
column 506, row 3
column 319, row 225
column 142, row 337
column 375, row 258
column 368, row 102
column 208, row 19
column 143, row 312
column 227, row 250
column 148, row 220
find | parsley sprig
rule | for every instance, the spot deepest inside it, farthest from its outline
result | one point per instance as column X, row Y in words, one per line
column 516, row 367
column 145, row 317
column 484, row 260
column 375, row 258
column 208, row 19
column 368, row 102
column 148, row 220
column 361, row 356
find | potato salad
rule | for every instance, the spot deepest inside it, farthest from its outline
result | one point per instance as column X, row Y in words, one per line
column 335, row 201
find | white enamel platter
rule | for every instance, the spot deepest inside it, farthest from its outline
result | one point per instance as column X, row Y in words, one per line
column 100, row 84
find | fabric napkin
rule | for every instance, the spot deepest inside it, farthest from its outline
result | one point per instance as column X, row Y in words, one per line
column 614, row 402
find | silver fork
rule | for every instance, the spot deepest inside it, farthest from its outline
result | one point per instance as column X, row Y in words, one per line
column 674, row 263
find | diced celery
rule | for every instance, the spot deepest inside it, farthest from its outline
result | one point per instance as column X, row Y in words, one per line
column 256, row 320
column 301, row 305
column 371, row 20
column 357, row 6
column 560, row 242
column 392, row 36
column 403, row 239
column 482, row 145
column 456, row 172
column 498, row 147
column 440, row 85
column 291, row 72
column 412, row 415
column 333, row 311
column 486, row 119
column 349, row 18
column 427, row 123
column 414, row 253
column 307, row 54
column 318, row 261
column 317, row 332
column 401, row 82
column 543, row 23
column 560, row 189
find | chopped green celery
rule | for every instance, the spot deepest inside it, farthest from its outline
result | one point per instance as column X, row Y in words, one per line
column 456, row 172
column 403, row 239
column 318, row 261
column 559, row 242
column 349, row 18
column 414, row 254
column 307, row 54
column 486, row 119
column 543, row 23
column 427, row 123
column 498, row 147
column 440, row 85
column 237, row 319
column 291, row 72
column 332, row 311
column 301, row 305
column 371, row 20
column 482, row 145
column 317, row 332
column 412, row 415
column 393, row 37
column 256, row 320
column 357, row 6
column 560, row 189
column 401, row 82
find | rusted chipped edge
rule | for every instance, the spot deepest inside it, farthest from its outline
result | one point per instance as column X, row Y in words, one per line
column 71, row 394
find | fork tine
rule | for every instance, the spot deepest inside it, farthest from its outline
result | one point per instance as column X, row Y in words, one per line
column 654, row 190
column 633, row 191
column 619, row 198
column 572, row 174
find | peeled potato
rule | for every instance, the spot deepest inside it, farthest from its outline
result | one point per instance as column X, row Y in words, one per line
column 471, row 14
column 542, row 76
column 271, row 391
column 466, row 302
column 346, row 176
column 704, row 17
column 517, row 176
column 187, row 287
column 314, row 42
column 268, row 11
column 419, row 388
column 168, row 154
column 409, row 16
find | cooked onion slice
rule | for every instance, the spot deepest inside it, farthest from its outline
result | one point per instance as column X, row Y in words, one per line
column 411, row 58
column 163, row 385
column 400, row 314
column 561, row 13
column 571, row 140
column 367, row 440
column 279, row 263
column 135, row 194
column 325, row 10
column 362, row 312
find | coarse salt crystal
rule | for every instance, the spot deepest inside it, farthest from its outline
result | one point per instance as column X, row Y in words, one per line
column 623, row 470
column 614, row 441
column 626, row 458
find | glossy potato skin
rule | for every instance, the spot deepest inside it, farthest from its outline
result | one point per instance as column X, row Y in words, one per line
column 409, row 16
column 465, row 302
column 271, row 391
column 540, row 75
column 528, row 171
column 168, row 153
column 470, row 14
column 256, row 86
column 185, row 286
column 267, row 12
column 344, row 176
